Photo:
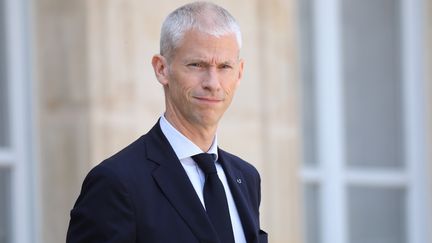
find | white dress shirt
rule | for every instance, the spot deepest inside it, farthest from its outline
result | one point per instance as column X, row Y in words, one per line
column 185, row 149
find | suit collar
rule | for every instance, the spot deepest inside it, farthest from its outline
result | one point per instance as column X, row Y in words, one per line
column 238, row 185
column 174, row 183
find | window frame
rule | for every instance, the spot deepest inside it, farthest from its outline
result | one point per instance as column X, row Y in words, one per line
column 330, row 173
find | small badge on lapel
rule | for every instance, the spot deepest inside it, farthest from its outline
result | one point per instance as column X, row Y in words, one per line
column 239, row 181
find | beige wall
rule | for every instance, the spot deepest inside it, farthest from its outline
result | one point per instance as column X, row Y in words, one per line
column 63, row 109
column 279, row 119
column 97, row 93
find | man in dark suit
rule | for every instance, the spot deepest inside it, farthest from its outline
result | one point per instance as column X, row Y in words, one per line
column 174, row 184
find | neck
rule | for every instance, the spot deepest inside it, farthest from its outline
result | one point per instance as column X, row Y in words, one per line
column 199, row 134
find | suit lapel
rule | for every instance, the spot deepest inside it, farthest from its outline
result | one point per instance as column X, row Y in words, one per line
column 176, row 186
column 238, row 187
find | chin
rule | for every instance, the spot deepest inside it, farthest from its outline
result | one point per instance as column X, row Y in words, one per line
column 209, row 120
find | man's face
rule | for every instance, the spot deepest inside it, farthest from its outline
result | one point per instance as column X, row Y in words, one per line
column 201, row 78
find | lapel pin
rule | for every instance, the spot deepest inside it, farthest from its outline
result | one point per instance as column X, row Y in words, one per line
column 239, row 181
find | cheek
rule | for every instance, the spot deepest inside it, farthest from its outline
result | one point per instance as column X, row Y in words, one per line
column 180, row 90
column 230, row 87
column 230, row 81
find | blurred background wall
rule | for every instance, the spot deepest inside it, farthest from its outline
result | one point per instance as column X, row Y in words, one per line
column 334, row 111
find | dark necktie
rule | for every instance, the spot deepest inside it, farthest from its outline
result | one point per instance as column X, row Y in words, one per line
column 215, row 199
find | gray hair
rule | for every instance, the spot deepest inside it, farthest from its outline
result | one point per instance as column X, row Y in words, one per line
column 202, row 16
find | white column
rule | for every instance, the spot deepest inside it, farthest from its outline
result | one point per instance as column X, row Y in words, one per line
column 330, row 121
column 18, row 70
column 414, row 88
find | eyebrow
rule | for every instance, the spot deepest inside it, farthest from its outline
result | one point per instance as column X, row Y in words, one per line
column 198, row 60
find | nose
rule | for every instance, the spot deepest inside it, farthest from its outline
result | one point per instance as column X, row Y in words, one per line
column 211, row 80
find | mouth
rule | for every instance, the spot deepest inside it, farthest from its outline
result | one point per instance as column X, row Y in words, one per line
column 209, row 100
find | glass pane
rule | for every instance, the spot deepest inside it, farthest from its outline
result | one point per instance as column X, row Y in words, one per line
column 376, row 215
column 4, row 135
column 312, row 214
column 308, row 80
column 5, row 222
column 372, row 82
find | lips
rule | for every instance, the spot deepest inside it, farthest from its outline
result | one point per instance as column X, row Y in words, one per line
column 208, row 99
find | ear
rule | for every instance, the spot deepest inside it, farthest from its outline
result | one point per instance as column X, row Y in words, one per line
column 240, row 71
column 160, row 67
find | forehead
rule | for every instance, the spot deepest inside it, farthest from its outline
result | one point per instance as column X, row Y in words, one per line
column 199, row 45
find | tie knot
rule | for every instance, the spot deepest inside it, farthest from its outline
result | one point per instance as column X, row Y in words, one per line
column 206, row 162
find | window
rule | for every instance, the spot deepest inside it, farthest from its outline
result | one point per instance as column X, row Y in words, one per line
column 363, row 111
column 4, row 137
column 5, row 219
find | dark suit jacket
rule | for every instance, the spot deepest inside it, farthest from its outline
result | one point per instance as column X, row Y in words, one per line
column 142, row 194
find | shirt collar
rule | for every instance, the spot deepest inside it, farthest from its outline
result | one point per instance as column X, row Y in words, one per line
column 182, row 146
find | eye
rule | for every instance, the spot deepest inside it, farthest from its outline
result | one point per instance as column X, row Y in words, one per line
column 225, row 66
column 195, row 65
